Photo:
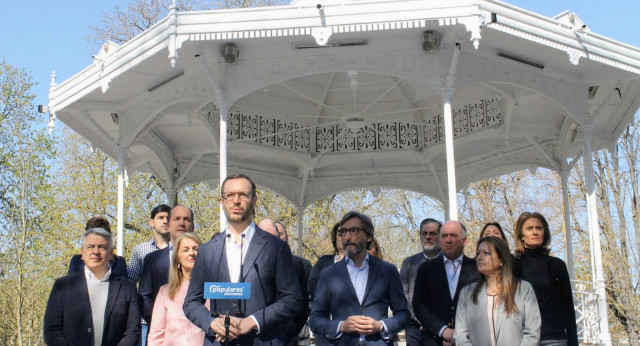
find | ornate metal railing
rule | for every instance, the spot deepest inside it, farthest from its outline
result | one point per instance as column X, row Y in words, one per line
column 585, row 300
column 357, row 136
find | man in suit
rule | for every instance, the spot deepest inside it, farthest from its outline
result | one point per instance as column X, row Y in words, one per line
column 92, row 306
column 244, row 253
column 155, row 271
column 429, row 233
column 291, row 328
column 438, row 284
column 302, row 326
column 354, row 295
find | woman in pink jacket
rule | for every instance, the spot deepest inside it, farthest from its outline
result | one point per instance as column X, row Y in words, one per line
column 169, row 325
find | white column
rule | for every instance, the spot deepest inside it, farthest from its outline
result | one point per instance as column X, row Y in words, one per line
column 448, row 134
column 594, row 231
column 300, row 220
column 451, row 163
column 223, row 157
column 564, row 176
column 172, row 196
column 120, row 203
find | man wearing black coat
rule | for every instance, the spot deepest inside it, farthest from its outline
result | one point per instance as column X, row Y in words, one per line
column 439, row 281
column 92, row 306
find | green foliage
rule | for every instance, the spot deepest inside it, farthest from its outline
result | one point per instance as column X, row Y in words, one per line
column 26, row 205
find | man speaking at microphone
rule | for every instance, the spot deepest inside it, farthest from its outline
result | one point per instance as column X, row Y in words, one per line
column 244, row 253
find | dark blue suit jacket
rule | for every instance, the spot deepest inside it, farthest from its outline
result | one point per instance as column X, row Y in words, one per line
column 68, row 320
column 335, row 300
column 432, row 303
column 275, row 292
column 155, row 274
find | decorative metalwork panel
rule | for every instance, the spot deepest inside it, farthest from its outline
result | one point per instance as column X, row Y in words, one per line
column 362, row 135
column 325, row 139
column 408, row 135
column 587, row 318
column 433, row 130
column 388, row 136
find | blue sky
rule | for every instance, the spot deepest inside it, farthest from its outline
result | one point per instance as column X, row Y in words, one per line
column 42, row 36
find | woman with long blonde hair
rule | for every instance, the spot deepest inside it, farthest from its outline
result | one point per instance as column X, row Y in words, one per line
column 499, row 309
column 169, row 325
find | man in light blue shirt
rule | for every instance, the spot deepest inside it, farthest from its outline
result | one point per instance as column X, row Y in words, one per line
column 353, row 296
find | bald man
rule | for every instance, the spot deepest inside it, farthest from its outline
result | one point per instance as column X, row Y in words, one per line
column 155, row 270
column 292, row 328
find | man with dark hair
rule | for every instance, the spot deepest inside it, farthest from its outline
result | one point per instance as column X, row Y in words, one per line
column 438, row 283
column 244, row 253
column 155, row 271
column 92, row 306
column 159, row 223
column 354, row 295
column 430, row 243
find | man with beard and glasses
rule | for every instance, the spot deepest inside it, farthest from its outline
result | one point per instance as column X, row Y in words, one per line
column 430, row 243
column 354, row 295
column 244, row 253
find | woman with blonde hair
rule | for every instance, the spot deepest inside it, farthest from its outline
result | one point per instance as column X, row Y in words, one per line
column 169, row 325
column 499, row 309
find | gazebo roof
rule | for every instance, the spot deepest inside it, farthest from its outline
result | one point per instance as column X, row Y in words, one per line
column 333, row 95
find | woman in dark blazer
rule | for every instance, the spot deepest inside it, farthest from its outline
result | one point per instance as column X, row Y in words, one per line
column 117, row 263
column 498, row 310
column 549, row 277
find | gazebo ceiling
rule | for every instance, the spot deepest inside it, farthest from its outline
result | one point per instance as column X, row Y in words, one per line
column 306, row 120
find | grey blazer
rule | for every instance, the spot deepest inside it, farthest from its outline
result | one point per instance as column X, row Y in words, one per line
column 521, row 328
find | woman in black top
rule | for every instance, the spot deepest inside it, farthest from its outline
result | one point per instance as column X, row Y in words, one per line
column 549, row 277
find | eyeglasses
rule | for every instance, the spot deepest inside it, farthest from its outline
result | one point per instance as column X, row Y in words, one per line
column 353, row 231
column 231, row 196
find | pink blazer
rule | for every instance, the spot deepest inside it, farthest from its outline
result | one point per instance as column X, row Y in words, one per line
column 169, row 325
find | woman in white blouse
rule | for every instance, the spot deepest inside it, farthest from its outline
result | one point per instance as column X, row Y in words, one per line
column 498, row 310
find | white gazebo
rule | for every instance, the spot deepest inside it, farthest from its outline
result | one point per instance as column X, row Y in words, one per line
column 322, row 96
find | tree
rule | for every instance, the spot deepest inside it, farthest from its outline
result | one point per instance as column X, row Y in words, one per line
column 26, row 201
column 616, row 176
column 122, row 24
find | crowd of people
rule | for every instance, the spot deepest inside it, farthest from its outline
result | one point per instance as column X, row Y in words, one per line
column 350, row 297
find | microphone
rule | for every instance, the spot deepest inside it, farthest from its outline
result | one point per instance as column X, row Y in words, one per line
column 241, row 279
column 241, row 258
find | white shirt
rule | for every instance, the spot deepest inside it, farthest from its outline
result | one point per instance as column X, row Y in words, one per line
column 453, row 273
column 233, row 250
column 88, row 274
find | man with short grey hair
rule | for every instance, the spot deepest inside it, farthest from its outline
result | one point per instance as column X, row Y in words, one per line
column 93, row 307
column 429, row 233
column 438, row 284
